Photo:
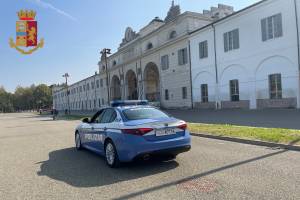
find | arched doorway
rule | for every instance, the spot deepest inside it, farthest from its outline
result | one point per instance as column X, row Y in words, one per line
column 115, row 88
column 151, row 81
column 131, row 83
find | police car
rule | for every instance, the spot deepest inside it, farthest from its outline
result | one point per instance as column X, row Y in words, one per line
column 132, row 129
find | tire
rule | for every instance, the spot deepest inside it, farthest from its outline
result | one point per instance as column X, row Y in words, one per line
column 78, row 141
column 111, row 155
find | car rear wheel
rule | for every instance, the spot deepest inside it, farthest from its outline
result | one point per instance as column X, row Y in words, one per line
column 111, row 155
column 78, row 141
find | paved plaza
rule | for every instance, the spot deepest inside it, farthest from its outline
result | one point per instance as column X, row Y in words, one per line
column 38, row 161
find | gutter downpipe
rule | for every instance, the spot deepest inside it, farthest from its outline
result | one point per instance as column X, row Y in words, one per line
column 191, row 81
column 216, row 68
column 298, row 48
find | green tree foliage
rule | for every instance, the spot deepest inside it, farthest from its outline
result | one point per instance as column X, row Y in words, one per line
column 26, row 98
column 6, row 101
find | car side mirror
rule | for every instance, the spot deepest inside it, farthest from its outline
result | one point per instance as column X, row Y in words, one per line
column 86, row 120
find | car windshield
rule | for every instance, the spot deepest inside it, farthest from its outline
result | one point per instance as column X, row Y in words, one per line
column 143, row 113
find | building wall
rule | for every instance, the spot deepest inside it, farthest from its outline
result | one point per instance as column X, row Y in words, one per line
column 253, row 62
column 84, row 100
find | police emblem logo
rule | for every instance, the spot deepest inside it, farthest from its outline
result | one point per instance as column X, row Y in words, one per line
column 26, row 33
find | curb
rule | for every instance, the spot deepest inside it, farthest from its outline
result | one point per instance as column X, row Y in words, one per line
column 251, row 142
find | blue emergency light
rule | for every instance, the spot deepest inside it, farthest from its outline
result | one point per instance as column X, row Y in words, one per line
column 119, row 103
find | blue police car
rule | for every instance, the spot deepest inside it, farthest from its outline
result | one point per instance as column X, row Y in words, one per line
column 132, row 129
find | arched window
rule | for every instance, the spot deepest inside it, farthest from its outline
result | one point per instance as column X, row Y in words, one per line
column 173, row 35
column 149, row 46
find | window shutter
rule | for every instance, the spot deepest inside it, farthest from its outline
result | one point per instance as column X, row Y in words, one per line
column 185, row 56
column 236, row 42
column 225, row 42
column 264, row 29
column 270, row 28
column 278, row 25
column 179, row 57
column 201, row 50
column 205, row 49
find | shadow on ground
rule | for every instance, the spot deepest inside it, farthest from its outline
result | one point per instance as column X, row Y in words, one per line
column 86, row 169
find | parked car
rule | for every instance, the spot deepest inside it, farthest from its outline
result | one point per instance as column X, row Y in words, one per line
column 132, row 129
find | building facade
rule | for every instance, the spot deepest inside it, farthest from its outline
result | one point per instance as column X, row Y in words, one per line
column 154, row 63
column 215, row 59
column 82, row 96
column 249, row 59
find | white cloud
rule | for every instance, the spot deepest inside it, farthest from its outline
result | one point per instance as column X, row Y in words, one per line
column 52, row 7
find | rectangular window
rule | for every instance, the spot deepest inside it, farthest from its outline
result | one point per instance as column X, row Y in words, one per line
column 83, row 87
column 184, row 93
column 99, row 103
column 80, row 88
column 204, row 93
column 275, row 86
column 166, row 94
column 271, row 27
column 97, row 83
column 182, row 56
column 203, row 49
column 101, row 82
column 231, row 40
column 88, row 87
column 93, row 85
column 165, row 62
column 234, row 90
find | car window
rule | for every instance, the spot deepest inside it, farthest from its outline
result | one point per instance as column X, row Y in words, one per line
column 143, row 113
column 109, row 116
column 97, row 117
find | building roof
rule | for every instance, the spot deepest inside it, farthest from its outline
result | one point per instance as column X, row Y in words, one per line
column 232, row 15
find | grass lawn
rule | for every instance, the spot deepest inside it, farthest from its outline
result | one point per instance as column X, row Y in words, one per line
column 277, row 135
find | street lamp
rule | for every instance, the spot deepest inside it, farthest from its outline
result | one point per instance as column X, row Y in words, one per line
column 66, row 76
column 104, row 54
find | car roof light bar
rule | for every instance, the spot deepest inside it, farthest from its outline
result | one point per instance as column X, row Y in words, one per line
column 120, row 103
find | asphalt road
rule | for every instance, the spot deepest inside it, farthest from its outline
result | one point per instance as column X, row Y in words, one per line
column 38, row 161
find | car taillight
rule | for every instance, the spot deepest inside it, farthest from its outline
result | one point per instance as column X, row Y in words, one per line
column 138, row 131
column 182, row 126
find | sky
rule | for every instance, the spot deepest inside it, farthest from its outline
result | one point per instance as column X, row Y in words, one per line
column 75, row 31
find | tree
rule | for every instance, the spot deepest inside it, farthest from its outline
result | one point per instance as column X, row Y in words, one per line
column 26, row 98
column 6, row 99
column 42, row 96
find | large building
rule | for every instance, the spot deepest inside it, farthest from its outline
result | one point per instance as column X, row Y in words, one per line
column 215, row 59
column 249, row 59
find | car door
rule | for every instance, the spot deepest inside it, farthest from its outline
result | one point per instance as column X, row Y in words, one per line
column 109, row 115
column 88, row 130
column 98, row 131
column 84, row 131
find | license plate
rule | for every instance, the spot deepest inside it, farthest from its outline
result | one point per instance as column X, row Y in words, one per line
column 166, row 131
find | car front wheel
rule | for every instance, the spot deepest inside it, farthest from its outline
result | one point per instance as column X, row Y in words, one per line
column 111, row 155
